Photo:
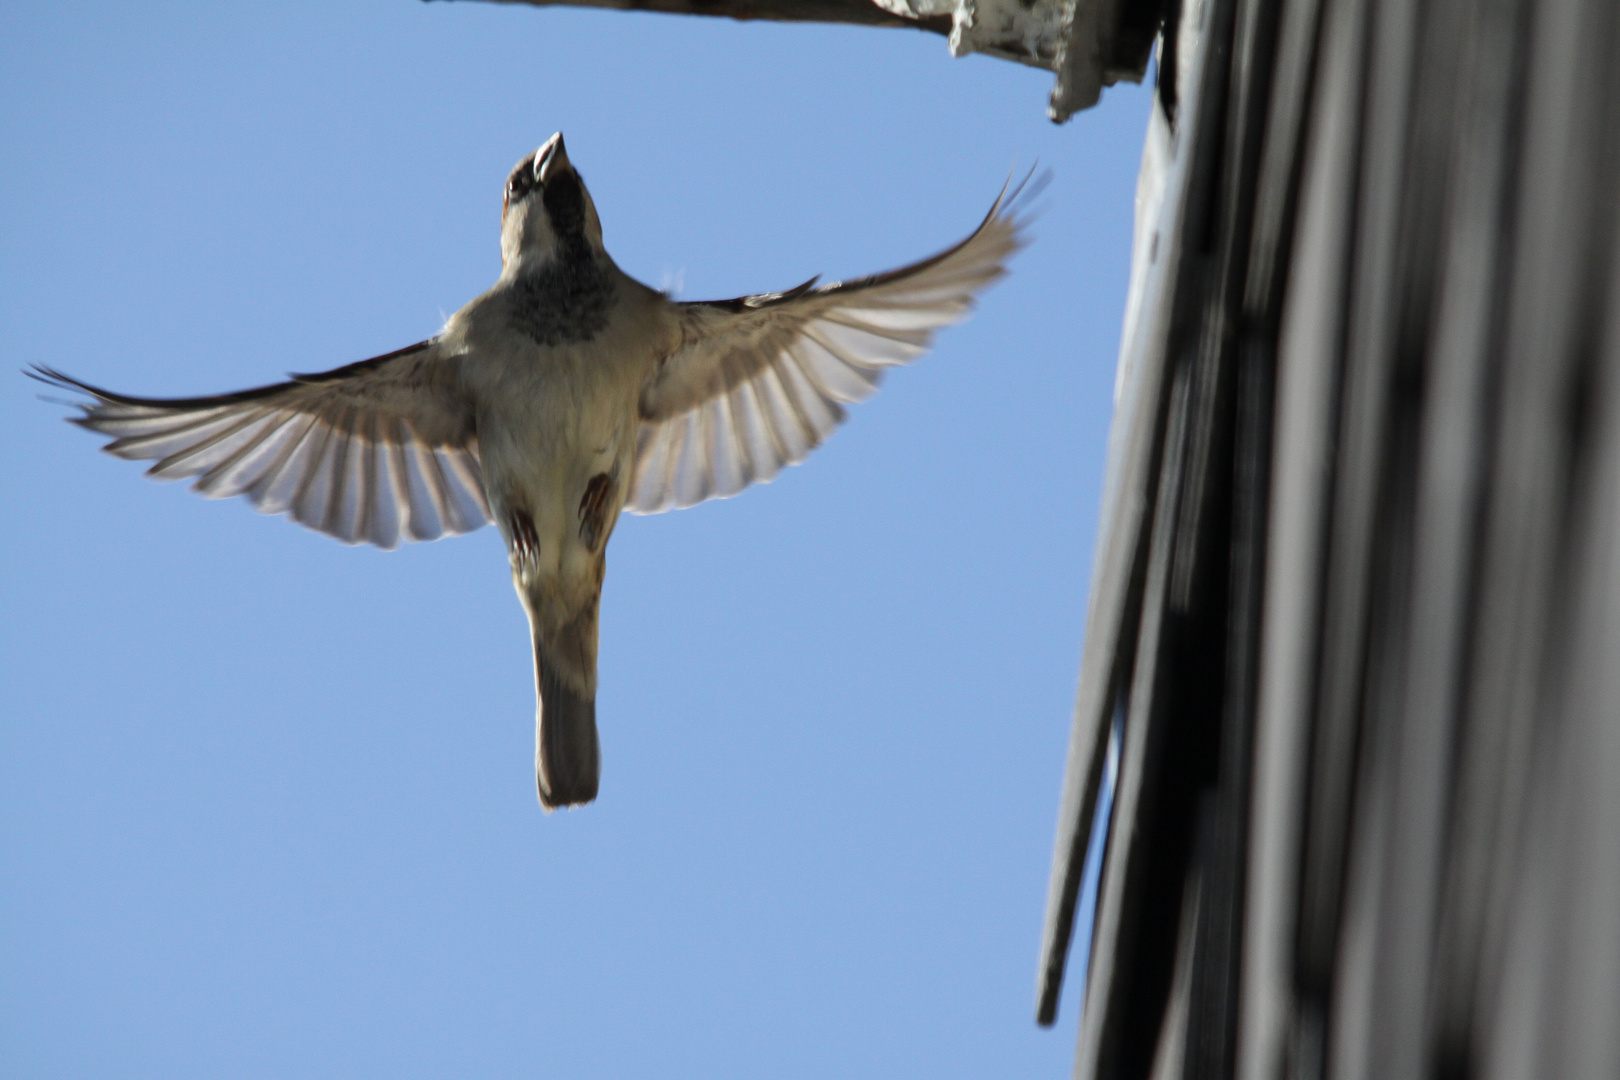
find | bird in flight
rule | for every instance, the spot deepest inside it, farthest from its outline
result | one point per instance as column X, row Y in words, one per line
column 566, row 393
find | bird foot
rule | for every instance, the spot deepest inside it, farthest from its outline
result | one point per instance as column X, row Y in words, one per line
column 593, row 510
column 525, row 540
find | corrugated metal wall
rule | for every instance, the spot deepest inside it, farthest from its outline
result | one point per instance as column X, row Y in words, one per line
column 1357, row 596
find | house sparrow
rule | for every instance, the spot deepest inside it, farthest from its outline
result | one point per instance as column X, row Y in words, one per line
column 566, row 393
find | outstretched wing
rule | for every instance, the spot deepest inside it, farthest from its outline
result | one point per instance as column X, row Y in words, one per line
column 375, row 451
column 758, row 382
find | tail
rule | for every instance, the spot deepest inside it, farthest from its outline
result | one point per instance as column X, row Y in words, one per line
column 567, row 755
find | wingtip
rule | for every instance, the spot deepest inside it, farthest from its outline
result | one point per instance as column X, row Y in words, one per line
column 1016, row 203
column 42, row 373
column 63, row 381
column 49, row 376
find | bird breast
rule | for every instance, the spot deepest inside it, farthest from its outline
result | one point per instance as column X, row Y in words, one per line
column 557, row 437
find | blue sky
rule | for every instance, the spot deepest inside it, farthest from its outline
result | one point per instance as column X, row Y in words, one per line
column 266, row 802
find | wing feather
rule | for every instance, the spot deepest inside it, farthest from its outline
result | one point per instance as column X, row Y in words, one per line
column 760, row 381
column 370, row 452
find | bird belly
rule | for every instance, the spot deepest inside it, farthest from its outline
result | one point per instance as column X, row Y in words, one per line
column 557, row 455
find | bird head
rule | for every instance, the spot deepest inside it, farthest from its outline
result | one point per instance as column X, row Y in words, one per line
column 546, row 208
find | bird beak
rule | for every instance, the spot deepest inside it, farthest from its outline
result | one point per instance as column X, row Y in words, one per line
column 550, row 159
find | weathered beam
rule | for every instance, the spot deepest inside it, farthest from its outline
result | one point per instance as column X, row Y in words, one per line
column 857, row 12
column 1090, row 44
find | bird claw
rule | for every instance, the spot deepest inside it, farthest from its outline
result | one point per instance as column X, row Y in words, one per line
column 593, row 510
column 525, row 540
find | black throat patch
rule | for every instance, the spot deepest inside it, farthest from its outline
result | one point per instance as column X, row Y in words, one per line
column 565, row 301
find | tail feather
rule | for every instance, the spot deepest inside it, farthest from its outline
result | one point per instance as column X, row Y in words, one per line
column 567, row 755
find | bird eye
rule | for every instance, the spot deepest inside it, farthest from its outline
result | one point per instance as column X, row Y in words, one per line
column 521, row 182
